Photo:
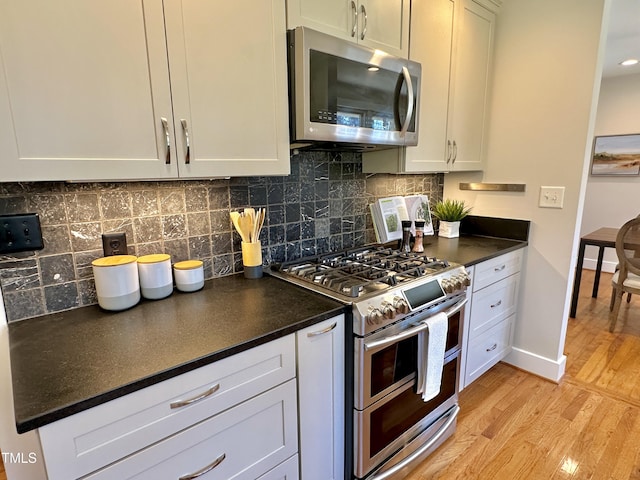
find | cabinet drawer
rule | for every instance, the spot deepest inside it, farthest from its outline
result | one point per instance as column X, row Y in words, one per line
column 84, row 442
column 243, row 443
column 493, row 304
column 488, row 349
column 496, row 269
column 285, row 471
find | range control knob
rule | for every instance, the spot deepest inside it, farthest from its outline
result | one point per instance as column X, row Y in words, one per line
column 388, row 311
column 375, row 316
column 400, row 304
column 448, row 285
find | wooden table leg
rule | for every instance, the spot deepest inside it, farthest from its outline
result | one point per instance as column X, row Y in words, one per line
column 596, row 280
column 576, row 280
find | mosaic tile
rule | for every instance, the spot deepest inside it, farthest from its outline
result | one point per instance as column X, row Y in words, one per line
column 61, row 297
column 57, row 269
column 321, row 206
column 82, row 207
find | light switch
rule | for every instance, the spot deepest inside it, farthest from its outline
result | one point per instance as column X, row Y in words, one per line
column 551, row 197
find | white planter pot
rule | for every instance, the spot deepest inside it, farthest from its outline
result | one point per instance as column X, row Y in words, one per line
column 449, row 229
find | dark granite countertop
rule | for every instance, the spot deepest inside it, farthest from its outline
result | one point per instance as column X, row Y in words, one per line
column 64, row 363
column 469, row 249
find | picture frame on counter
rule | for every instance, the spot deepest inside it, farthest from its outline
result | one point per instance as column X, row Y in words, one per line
column 616, row 155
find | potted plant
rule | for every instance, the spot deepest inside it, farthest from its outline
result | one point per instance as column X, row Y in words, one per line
column 450, row 212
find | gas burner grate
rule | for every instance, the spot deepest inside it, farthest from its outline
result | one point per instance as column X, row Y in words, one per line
column 358, row 271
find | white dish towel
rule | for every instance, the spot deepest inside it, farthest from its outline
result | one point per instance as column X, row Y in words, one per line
column 431, row 348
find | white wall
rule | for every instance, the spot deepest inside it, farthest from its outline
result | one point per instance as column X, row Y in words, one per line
column 545, row 86
column 611, row 201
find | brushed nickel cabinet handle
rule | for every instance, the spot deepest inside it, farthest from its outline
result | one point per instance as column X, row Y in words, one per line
column 364, row 28
column 202, row 396
column 202, row 471
column 185, row 129
column 500, row 268
column 354, row 18
column 497, row 304
column 165, row 126
column 493, row 347
column 448, row 151
column 323, row 331
column 455, row 152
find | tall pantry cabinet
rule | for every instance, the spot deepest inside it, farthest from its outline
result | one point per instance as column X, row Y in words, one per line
column 119, row 90
column 453, row 40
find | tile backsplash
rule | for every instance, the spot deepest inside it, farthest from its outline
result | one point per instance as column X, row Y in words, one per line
column 321, row 206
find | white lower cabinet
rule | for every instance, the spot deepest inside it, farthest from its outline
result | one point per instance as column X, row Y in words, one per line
column 273, row 412
column 321, row 349
column 245, row 403
column 241, row 443
column 287, row 470
column 490, row 316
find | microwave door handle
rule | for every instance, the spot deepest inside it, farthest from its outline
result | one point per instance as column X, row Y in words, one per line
column 396, row 338
column 407, row 118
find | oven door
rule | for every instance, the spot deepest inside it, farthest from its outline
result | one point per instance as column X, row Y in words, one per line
column 402, row 429
column 387, row 359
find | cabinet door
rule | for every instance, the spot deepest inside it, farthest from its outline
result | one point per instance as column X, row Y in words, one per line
column 474, row 48
column 333, row 17
column 228, row 77
column 84, row 85
column 321, row 400
column 387, row 25
column 432, row 30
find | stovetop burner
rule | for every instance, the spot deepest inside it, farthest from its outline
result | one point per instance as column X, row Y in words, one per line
column 357, row 272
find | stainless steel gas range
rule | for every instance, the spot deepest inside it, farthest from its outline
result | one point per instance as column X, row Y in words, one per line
column 393, row 297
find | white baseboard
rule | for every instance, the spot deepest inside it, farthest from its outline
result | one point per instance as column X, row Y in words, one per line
column 531, row 362
column 590, row 264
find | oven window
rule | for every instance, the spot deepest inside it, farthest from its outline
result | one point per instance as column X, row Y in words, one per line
column 393, row 418
column 393, row 364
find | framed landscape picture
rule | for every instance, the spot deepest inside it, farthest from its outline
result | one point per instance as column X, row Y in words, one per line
column 616, row 155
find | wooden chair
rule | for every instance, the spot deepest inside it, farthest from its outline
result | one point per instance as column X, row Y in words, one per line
column 627, row 278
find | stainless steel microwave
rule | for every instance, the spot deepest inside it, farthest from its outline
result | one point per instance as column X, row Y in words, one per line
column 346, row 96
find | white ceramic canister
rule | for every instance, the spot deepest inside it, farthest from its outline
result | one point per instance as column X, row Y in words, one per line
column 117, row 284
column 156, row 281
column 189, row 275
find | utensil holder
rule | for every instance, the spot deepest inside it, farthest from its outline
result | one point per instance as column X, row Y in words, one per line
column 252, row 259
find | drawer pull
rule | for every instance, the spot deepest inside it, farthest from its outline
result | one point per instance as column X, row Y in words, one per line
column 497, row 304
column 189, row 401
column 208, row 468
column 323, row 331
column 499, row 269
column 493, row 347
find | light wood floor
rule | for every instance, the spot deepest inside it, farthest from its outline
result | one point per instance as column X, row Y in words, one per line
column 514, row 425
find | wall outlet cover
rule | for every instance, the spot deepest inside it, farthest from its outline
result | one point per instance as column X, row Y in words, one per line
column 20, row 233
column 114, row 243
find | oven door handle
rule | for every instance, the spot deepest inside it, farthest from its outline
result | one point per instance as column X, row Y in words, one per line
column 452, row 414
column 411, row 331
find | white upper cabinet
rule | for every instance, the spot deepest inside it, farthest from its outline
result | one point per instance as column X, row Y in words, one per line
column 379, row 24
column 471, row 83
column 93, row 90
column 453, row 40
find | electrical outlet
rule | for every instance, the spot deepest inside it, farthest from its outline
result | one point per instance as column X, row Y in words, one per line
column 20, row 233
column 551, row 197
column 114, row 243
